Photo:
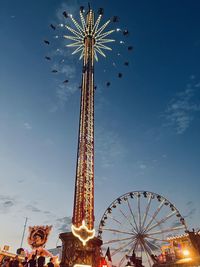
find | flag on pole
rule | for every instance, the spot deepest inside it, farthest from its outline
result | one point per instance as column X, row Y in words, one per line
column 108, row 255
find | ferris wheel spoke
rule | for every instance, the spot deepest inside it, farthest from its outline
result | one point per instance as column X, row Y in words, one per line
column 120, row 223
column 126, row 217
column 122, row 261
column 147, row 255
column 139, row 212
column 131, row 211
column 150, row 252
column 157, row 239
column 161, row 221
column 114, row 219
column 167, row 230
column 148, row 249
column 146, row 211
column 136, row 245
column 141, row 250
column 120, row 248
column 124, row 257
column 151, row 244
column 138, row 249
column 118, row 231
column 154, row 215
column 117, row 240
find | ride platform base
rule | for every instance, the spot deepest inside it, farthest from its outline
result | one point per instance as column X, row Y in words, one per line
column 74, row 253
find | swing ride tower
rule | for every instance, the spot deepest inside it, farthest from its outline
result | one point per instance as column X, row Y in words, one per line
column 81, row 247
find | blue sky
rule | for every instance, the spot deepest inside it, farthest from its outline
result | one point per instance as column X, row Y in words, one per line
column 146, row 124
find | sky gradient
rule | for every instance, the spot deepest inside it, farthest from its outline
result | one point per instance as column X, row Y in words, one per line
column 147, row 124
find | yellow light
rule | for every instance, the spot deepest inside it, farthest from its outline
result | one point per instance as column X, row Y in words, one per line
column 186, row 252
column 81, row 265
column 83, row 233
column 57, row 260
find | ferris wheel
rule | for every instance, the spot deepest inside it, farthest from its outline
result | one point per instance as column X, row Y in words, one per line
column 139, row 221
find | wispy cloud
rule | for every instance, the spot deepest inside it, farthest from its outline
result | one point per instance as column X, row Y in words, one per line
column 27, row 126
column 189, row 203
column 190, row 213
column 71, row 7
column 69, row 71
column 33, row 208
column 6, row 203
column 20, row 181
column 108, row 147
column 142, row 166
column 64, row 92
column 63, row 224
column 181, row 110
column 62, row 60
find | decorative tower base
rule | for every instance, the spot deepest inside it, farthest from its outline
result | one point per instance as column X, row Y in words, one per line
column 74, row 253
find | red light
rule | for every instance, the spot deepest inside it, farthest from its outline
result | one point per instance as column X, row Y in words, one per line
column 103, row 263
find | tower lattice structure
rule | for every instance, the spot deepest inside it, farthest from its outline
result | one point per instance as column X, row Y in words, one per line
column 84, row 184
column 90, row 40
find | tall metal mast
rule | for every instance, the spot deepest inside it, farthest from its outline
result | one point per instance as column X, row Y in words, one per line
column 22, row 240
column 80, row 247
column 84, row 184
column 89, row 39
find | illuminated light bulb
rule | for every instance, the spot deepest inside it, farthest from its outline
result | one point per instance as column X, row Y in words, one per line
column 57, row 261
column 186, row 252
column 81, row 265
column 83, row 233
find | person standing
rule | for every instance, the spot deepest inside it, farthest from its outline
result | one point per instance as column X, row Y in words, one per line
column 15, row 262
column 6, row 262
column 32, row 261
column 10, row 262
column 50, row 263
column 41, row 260
column 25, row 262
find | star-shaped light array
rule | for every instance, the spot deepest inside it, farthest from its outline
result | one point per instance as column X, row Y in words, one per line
column 87, row 29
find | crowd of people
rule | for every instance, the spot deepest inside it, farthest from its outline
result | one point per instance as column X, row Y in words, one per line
column 34, row 261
